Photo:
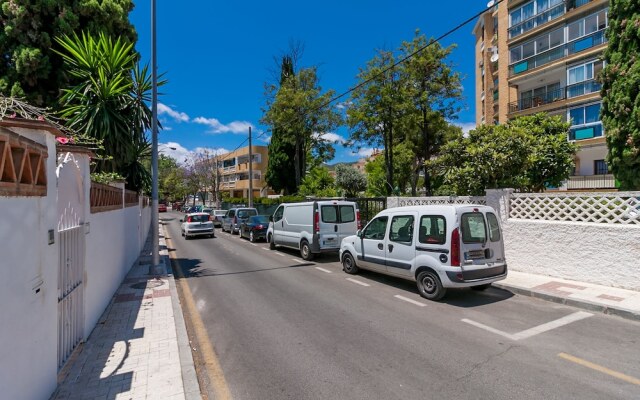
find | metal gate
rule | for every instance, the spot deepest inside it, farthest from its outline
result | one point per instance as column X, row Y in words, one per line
column 70, row 291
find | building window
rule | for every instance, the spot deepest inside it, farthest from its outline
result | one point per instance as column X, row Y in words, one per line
column 600, row 167
column 533, row 14
column 538, row 45
column 585, row 122
column 586, row 26
column 581, row 78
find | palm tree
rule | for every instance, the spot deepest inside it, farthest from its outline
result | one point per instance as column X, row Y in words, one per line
column 109, row 102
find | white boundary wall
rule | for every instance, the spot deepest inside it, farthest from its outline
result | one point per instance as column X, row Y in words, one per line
column 546, row 234
column 29, row 328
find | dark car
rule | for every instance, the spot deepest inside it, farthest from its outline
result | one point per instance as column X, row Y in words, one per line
column 255, row 228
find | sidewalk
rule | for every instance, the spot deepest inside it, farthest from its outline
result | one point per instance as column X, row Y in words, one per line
column 605, row 299
column 139, row 349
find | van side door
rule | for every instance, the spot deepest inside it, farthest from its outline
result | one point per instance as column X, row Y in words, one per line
column 278, row 225
column 373, row 253
column 399, row 244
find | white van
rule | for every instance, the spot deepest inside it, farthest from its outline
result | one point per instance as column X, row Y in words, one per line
column 438, row 247
column 313, row 227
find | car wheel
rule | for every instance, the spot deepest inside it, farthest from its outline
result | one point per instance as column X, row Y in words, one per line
column 186, row 237
column 252, row 238
column 305, row 251
column 481, row 287
column 272, row 245
column 348, row 264
column 429, row 285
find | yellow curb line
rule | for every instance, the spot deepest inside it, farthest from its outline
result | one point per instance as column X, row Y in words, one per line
column 211, row 362
column 600, row 368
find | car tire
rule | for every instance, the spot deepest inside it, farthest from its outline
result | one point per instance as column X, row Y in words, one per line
column 429, row 286
column 252, row 238
column 186, row 237
column 481, row 287
column 305, row 251
column 272, row 245
column 349, row 264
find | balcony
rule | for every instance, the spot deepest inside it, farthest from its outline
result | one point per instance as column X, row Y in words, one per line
column 590, row 182
column 537, row 101
column 582, row 88
column 537, row 20
column 578, row 133
column 558, row 52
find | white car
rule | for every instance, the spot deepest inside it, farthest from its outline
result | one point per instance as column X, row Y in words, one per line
column 438, row 247
column 197, row 224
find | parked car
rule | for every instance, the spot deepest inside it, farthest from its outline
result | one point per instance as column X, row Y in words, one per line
column 234, row 217
column 218, row 215
column 194, row 209
column 207, row 210
column 313, row 227
column 438, row 247
column 162, row 207
column 255, row 228
column 197, row 224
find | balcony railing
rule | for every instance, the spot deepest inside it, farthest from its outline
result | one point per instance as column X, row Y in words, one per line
column 537, row 20
column 558, row 52
column 537, row 101
column 591, row 182
column 586, row 87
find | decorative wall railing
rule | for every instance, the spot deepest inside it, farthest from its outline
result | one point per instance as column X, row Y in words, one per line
column 131, row 198
column 421, row 201
column 607, row 208
column 590, row 182
column 105, row 198
column 22, row 166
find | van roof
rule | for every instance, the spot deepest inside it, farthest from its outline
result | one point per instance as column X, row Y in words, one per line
column 322, row 202
column 438, row 208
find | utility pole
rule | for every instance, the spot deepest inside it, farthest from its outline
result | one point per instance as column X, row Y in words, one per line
column 155, row 249
column 250, row 171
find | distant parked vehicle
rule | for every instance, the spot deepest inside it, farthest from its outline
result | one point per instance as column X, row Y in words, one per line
column 218, row 215
column 162, row 207
column 313, row 227
column 234, row 217
column 197, row 224
column 255, row 228
column 438, row 247
column 194, row 209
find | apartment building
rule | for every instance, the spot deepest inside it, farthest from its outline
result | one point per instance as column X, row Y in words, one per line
column 543, row 56
column 234, row 172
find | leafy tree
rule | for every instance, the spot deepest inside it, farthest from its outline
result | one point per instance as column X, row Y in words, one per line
column 620, row 92
column 375, row 170
column 434, row 90
column 30, row 68
column 350, row 180
column 280, row 168
column 318, row 183
column 377, row 107
column 299, row 108
column 109, row 102
column 528, row 154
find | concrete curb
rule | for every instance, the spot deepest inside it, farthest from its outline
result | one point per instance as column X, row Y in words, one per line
column 583, row 304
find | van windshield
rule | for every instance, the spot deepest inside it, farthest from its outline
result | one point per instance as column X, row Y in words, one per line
column 338, row 214
column 474, row 229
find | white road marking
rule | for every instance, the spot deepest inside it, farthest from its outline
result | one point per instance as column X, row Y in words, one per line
column 536, row 330
column 280, row 254
column 323, row 270
column 253, row 244
column 264, row 248
column 358, row 282
column 298, row 261
column 410, row 300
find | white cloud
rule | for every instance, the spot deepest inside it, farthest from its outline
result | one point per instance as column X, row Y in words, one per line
column 331, row 137
column 466, row 127
column 218, row 127
column 166, row 128
column 364, row 152
column 178, row 116
column 265, row 139
column 344, row 105
column 185, row 156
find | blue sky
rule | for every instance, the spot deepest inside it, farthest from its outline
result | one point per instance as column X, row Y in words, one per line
column 217, row 55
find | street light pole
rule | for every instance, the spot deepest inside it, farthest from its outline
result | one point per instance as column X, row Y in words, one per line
column 250, row 171
column 155, row 252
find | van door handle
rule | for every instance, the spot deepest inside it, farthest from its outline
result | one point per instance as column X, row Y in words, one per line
column 380, row 246
column 335, row 228
column 390, row 248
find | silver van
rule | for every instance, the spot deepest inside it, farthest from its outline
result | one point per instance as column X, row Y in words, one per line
column 313, row 227
column 234, row 217
column 436, row 246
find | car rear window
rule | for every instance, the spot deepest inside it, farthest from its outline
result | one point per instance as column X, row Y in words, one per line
column 347, row 213
column 494, row 227
column 432, row 230
column 199, row 218
column 260, row 219
column 246, row 213
column 219, row 212
column 474, row 229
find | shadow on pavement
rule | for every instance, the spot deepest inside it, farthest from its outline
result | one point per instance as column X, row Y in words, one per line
column 192, row 268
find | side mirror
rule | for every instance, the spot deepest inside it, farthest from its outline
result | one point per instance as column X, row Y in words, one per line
column 270, row 218
column 359, row 233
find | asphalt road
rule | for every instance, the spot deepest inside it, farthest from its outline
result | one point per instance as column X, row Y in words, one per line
column 281, row 328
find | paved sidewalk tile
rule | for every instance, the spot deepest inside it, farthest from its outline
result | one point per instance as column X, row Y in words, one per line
column 132, row 352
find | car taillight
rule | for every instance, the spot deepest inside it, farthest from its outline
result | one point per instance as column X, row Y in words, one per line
column 259, row 227
column 455, row 248
column 188, row 219
column 358, row 219
column 316, row 222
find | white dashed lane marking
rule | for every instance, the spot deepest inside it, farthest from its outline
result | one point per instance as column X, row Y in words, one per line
column 264, row 248
column 323, row 270
column 357, row 282
column 408, row 300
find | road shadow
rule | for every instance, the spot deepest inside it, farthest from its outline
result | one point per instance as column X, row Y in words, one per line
column 322, row 258
column 194, row 268
column 462, row 297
